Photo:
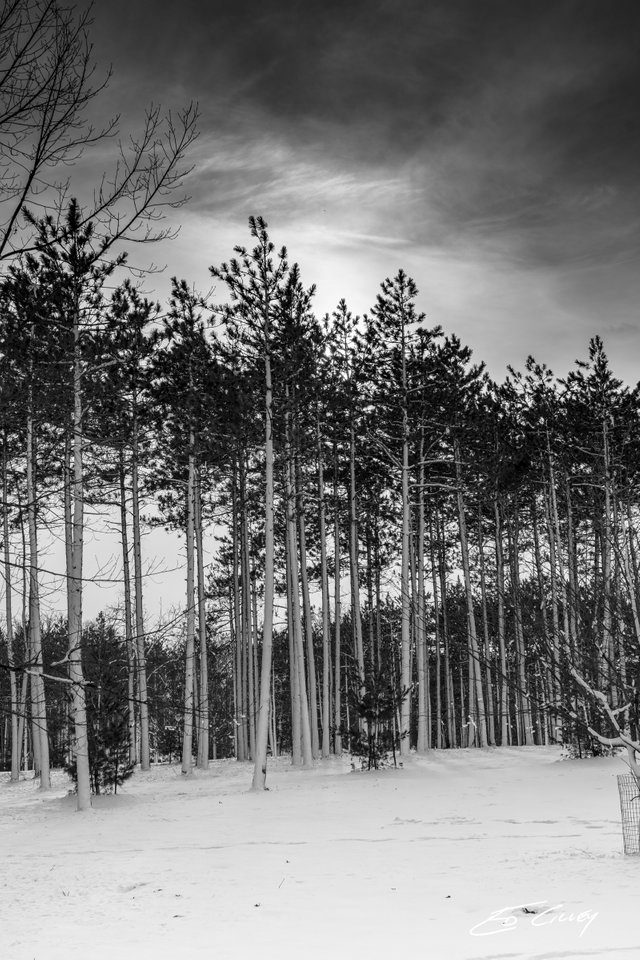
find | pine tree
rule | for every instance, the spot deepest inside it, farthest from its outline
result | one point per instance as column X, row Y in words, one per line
column 122, row 421
column 191, row 392
column 105, row 672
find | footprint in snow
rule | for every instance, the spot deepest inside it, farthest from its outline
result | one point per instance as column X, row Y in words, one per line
column 133, row 886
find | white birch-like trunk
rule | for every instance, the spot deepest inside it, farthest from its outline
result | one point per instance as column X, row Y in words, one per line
column 16, row 745
column 559, row 556
column 556, row 553
column 203, row 699
column 439, row 738
column 405, row 602
column 525, row 718
column 324, row 588
column 307, row 752
column 308, row 627
column 273, row 723
column 627, row 566
column 337, row 603
column 452, row 734
column 250, row 723
column 128, row 633
column 607, row 631
column 353, row 557
column 486, row 652
column 74, row 588
column 141, row 660
column 262, row 732
column 546, row 675
column 476, row 694
column 572, row 590
column 294, row 675
column 555, row 617
column 424, row 713
column 38, row 701
column 187, row 732
column 238, row 632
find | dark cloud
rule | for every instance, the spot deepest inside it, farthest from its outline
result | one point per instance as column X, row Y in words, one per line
column 350, row 61
column 477, row 137
column 513, row 114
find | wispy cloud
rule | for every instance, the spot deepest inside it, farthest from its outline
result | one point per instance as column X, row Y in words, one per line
column 490, row 148
column 289, row 183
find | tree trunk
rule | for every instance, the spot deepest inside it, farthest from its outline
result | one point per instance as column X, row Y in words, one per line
column 627, row 567
column 505, row 726
column 564, row 650
column 324, row 588
column 452, row 738
column 524, row 705
column 187, row 734
column 424, row 725
column 486, row 654
column 273, row 724
column 294, row 673
column 203, row 713
column 405, row 601
column 22, row 701
column 476, row 696
column 16, row 746
column 38, row 701
column 262, row 737
column 250, row 723
column 128, row 637
column 308, row 627
column 555, row 645
column 74, row 592
column 141, row 660
column 241, row 749
column 437, row 642
column 608, row 650
column 353, row 555
column 307, row 753
column 337, row 683
column 546, row 682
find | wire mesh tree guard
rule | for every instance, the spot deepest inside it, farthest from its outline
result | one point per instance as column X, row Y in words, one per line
column 630, row 809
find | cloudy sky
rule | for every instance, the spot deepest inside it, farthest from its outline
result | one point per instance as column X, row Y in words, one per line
column 488, row 147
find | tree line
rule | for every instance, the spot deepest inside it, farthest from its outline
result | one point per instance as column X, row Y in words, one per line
column 409, row 554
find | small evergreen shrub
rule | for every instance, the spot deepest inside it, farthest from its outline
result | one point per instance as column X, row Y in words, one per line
column 378, row 704
column 107, row 710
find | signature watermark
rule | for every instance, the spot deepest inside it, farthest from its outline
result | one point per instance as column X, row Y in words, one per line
column 539, row 913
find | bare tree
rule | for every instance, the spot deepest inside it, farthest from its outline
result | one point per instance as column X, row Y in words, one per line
column 79, row 245
column 46, row 82
column 608, row 725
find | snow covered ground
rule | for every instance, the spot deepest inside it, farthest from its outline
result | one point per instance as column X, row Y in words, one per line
column 328, row 863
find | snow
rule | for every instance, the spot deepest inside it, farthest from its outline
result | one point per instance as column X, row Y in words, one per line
column 328, row 863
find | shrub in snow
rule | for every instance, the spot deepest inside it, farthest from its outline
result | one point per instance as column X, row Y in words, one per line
column 107, row 710
column 109, row 763
column 378, row 704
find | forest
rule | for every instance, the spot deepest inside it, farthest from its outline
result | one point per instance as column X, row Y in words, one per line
column 407, row 555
